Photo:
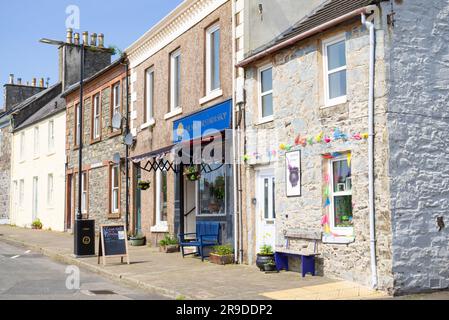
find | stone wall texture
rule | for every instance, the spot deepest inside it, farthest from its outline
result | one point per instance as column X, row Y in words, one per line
column 418, row 116
column 298, row 94
column 5, row 172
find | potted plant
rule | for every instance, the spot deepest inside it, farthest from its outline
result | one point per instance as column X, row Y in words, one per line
column 222, row 255
column 143, row 185
column 265, row 256
column 169, row 244
column 192, row 173
column 137, row 240
column 37, row 224
column 270, row 266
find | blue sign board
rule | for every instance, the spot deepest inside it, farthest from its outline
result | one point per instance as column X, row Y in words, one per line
column 203, row 123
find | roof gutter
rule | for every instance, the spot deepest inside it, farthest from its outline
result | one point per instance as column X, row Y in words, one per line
column 305, row 35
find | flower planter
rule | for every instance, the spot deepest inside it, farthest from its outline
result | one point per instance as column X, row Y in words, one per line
column 137, row 242
column 221, row 260
column 169, row 249
column 262, row 260
column 143, row 185
column 269, row 267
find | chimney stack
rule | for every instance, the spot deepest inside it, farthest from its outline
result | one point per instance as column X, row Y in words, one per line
column 33, row 82
column 77, row 39
column 11, row 78
column 86, row 38
column 69, row 35
column 19, row 81
column 93, row 40
column 101, row 40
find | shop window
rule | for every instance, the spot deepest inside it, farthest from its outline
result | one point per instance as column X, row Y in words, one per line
column 341, row 214
column 266, row 94
column 161, row 199
column 335, row 71
column 213, row 59
column 212, row 191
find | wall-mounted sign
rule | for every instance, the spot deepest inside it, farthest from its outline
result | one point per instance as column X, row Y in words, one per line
column 203, row 123
column 293, row 173
column 113, row 242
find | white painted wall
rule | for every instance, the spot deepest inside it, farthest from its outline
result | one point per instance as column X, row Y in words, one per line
column 52, row 215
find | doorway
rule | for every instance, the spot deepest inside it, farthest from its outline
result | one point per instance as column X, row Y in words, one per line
column 190, row 206
column 266, row 208
column 138, row 222
column 69, row 207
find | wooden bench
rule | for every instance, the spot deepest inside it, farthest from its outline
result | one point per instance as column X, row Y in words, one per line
column 307, row 254
column 207, row 235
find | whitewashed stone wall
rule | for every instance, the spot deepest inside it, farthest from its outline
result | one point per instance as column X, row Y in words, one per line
column 418, row 122
column 298, row 101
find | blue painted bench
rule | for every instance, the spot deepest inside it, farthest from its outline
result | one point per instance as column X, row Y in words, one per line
column 307, row 254
column 206, row 235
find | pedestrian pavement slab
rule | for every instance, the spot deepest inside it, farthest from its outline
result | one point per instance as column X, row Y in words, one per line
column 172, row 276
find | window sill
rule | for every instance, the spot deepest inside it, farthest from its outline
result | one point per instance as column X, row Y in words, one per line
column 173, row 113
column 331, row 239
column 266, row 120
column 51, row 153
column 211, row 96
column 335, row 102
column 114, row 216
column 113, row 134
column 160, row 228
column 95, row 141
column 148, row 124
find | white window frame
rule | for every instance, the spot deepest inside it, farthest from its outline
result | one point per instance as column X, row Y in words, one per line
column 50, row 189
column 326, row 43
column 36, row 142
column 21, row 193
column 15, row 190
column 1, row 142
column 115, row 190
column 160, row 225
column 51, row 136
column 116, row 101
column 263, row 94
column 84, row 192
column 198, row 200
column 209, row 32
column 173, row 79
column 96, row 132
column 149, row 95
column 77, row 124
column 35, row 196
column 343, row 231
column 22, row 147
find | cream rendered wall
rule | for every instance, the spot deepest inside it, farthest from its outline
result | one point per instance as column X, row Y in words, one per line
column 52, row 215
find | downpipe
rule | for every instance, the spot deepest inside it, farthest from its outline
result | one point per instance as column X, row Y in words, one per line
column 372, row 217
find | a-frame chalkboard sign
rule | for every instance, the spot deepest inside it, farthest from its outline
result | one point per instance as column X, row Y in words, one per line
column 113, row 242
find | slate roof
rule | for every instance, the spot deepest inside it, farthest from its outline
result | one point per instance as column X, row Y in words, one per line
column 326, row 12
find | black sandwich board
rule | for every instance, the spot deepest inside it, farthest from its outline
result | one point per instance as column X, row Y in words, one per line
column 113, row 242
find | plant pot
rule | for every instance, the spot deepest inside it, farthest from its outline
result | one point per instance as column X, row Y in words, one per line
column 221, row 260
column 137, row 242
column 169, row 249
column 269, row 267
column 193, row 176
column 262, row 260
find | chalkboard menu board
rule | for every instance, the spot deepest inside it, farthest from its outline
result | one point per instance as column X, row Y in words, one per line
column 113, row 242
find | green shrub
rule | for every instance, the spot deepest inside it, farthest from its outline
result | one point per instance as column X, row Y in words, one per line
column 168, row 241
column 266, row 250
column 37, row 224
column 225, row 250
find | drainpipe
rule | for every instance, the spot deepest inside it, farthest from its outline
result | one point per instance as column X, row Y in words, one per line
column 372, row 218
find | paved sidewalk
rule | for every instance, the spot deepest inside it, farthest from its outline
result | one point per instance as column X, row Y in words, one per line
column 189, row 278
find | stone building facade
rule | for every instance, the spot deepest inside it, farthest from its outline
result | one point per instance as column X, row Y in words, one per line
column 5, row 151
column 409, row 162
column 101, row 142
column 183, row 31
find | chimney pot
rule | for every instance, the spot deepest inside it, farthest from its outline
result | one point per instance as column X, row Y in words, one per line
column 41, row 82
column 77, row 39
column 93, row 40
column 85, row 38
column 69, row 35
column 19, row 81
column 11, row 78
column 101, row 40
column 33, row 82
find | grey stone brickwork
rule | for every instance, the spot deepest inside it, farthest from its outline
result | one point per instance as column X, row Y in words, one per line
column 5, row 172
column 418, row 122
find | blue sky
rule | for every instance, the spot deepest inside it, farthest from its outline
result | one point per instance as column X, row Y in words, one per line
column 24, row 22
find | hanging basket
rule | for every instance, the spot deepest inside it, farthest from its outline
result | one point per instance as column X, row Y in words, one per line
column 143, row 185
column 192, row 174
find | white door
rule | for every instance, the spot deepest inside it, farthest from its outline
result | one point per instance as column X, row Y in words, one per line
column 35, row 198
column 190, row 207
column 266, row 209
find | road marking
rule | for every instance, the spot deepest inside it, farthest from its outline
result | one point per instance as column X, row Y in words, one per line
column 88, row 293
column 28, row 251
column 15, row 257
